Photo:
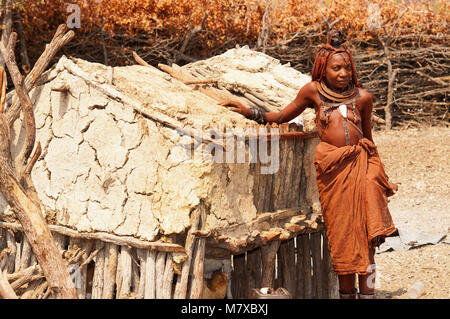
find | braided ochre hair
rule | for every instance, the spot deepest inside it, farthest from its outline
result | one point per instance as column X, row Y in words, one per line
column 335, row 38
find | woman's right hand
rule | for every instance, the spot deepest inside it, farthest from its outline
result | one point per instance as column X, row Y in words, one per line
column 236, row 106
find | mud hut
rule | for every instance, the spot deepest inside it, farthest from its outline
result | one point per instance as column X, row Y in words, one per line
column 152, row 190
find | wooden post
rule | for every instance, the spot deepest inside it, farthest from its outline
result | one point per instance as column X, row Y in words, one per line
column 287, row 260
column 300, row 280
column 142, row 256
column 256, row 182
column 11, row 243
column 279, row 176
column 269, row 178
column 317, row 264
column 238, row 277
column 3, row 245
column 98, row 280
column 324, row 269
column 2, row 239
column 199, row 259
column 26, row 253
column 333, row 283
column 135, row 273
column 150, row 275
column 285, row 197
column 18, row 254
column 160, row 266
column 306, row 273
column 32, row 289
column 297, row 173
column 253, row 270
column 125, row 272
column 197, row 276
column 109, row 275
column 168, row 278
column 182, row 280
column 88, row 248
column 268, row 253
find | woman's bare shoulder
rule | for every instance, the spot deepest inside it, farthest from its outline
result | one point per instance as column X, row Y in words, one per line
column 311, row 86
column 364, row 95
column 309, row 91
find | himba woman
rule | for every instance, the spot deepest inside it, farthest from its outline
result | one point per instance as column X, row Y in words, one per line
column 353, row 186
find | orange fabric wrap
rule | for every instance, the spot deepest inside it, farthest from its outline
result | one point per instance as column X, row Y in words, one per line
column 353, row 190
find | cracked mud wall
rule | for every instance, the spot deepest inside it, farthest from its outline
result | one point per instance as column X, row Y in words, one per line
column 105, row 168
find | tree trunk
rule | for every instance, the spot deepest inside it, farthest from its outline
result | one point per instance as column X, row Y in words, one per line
column 18, row 189
column 36, row 230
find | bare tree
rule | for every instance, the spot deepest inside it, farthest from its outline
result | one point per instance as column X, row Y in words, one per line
column 15, row 181
column 385, row 43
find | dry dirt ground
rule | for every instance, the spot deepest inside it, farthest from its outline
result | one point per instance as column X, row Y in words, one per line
column 418, row 160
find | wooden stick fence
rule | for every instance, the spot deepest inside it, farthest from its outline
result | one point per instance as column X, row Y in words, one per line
column 302, row 266
column 98, row 269
column 109, row 266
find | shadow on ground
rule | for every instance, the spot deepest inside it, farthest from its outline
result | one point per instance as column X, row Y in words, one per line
column 385, row 294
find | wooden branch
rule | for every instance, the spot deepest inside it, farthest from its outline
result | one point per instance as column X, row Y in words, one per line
column 98, row 278
column 150, row 274
column 6, row 25
column 25, row 60
column 159, row 270
column 293, row 215
column 18, row 274
column 217, row 94
column 106, row 237
column 330, row 25
column 182, row 281
column 389, row 37
column 124, row 286
column 435, row 80
column 207, row 81
column 168, row 278
column 199, row 259
column 111, row 259
column 378, row 119
column 140, row 60
column 26, row 277
column 26, row 209
column 265, row 29
column 268, row 254
column 3, row 89
column 6, row 291
column 59, row 40
column 11, row 243
column 25, row 101
column 188, row 37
